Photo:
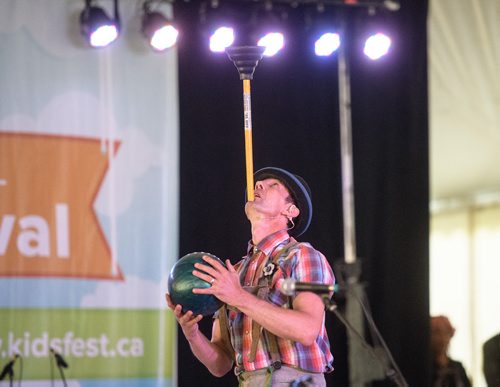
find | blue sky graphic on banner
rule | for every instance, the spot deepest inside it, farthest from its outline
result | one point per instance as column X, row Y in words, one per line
column 88, row 199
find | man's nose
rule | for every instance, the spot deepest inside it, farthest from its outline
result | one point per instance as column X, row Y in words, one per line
column 259, row 185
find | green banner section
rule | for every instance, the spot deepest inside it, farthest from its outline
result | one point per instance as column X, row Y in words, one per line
column 96, row 343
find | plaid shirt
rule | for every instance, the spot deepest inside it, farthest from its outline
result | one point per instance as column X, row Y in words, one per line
column 305, row 265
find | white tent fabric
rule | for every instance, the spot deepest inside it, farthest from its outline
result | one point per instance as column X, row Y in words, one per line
column 464, row 91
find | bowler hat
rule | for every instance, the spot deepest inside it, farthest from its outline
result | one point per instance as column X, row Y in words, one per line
column 300, row 192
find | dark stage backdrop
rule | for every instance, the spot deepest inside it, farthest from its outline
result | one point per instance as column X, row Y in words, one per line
column 296, row 126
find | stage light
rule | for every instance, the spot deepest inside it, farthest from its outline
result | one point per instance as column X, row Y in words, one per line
column 324, row 30
column 376, row 46
column 222, row 38
column 97, row 27
column 219, row 20
column 157, row 28
column 327, row 44
column 273, row 42
column 269, row 26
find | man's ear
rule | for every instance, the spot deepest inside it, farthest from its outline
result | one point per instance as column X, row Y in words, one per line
column 293, row 211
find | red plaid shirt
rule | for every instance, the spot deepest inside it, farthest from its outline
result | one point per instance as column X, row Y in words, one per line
column 305, row 265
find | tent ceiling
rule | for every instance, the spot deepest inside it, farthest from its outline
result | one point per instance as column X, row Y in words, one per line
column 464, row 92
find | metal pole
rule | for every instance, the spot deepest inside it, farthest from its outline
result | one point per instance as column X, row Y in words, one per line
column 362, row 365
column 353, row 310
column 346, row 156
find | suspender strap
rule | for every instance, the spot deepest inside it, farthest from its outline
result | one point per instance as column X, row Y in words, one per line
column 262, row 291
column 272, row 344
column 224, row 331
column 264, row 285
column 283, row 255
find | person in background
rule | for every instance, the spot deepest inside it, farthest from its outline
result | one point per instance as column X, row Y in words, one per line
column 491, row 361
column 446, row 372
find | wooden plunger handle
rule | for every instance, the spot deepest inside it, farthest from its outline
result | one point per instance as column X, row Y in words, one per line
column 247, row 109
column 246, row 58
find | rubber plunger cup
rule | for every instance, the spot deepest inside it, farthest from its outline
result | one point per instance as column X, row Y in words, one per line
column 246, row 58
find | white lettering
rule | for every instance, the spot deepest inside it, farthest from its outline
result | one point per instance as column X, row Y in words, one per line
column 62, row 230
column 33, row 242
column 136, row 347
column 6, row 231
column 104, row 346
column 27, row 343
column 70, row 345
column 14, row 344
column 120, row 347
column 67, row 342
column 92, row 348
column 33, row 239
column 40, row 346
column 78, row 347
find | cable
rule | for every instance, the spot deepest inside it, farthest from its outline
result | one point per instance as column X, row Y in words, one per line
column 21, row 367
column 396, row 376
column 51, row 359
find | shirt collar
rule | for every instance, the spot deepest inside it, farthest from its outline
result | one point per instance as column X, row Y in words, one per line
column 269, row 243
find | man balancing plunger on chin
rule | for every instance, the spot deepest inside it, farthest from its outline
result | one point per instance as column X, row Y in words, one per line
column 273, row 339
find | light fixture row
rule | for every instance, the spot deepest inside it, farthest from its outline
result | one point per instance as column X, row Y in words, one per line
column 267, row 23
column 375, row 46
column 100, row 30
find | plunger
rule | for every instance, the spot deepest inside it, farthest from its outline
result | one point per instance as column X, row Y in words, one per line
column 246, row 58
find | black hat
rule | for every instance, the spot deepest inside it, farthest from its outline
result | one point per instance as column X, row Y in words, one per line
column 300, row 192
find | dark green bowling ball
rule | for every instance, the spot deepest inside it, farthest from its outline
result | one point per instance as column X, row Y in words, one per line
column 181, row 282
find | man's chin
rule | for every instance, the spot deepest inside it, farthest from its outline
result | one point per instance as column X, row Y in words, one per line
column 253, row 210
column 249, row 208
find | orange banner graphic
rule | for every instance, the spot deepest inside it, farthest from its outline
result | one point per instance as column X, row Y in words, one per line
column 48, row 227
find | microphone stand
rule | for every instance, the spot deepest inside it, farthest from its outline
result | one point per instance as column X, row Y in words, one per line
column 61, row 363
column 61, row 372
column 383, row 355
column 9, row 370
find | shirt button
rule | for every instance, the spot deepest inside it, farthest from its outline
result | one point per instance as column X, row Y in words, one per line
column 246, row 332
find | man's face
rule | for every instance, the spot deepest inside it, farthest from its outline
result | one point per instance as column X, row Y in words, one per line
column 441, row 335
column 271, row 198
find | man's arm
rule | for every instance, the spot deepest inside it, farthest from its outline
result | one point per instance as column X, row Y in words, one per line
column 208, row 352
column 302, row 323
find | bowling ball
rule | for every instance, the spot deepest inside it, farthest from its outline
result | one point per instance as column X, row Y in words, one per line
column 181, row 282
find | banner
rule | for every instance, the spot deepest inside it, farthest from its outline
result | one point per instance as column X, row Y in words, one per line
column 88, row 201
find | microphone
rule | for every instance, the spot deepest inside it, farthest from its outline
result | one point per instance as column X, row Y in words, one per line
column 59, row 359
column 7, row 370
column 289, row 286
